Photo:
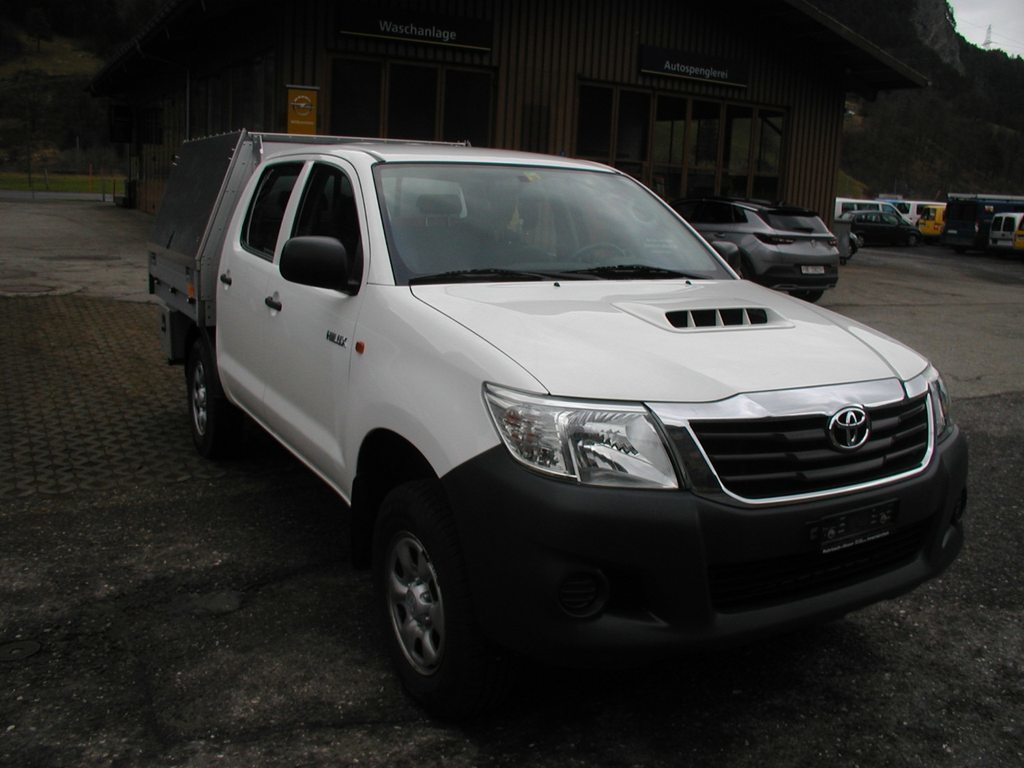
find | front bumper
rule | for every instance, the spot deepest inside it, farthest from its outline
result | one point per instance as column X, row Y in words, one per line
column 578, row 574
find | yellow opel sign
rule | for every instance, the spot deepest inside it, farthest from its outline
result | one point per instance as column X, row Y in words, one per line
column 302, row 109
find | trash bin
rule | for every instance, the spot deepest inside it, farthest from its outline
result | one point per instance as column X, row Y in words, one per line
column 841, row 229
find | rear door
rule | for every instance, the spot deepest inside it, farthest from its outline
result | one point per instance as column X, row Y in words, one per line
column 247, row 263
column 996, row 235
column 869, row 224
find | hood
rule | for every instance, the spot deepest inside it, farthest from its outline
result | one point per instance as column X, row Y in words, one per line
column 669, row 341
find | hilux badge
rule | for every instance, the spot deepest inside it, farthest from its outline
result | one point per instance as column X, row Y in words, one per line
column 849, row 428
column 337, row 338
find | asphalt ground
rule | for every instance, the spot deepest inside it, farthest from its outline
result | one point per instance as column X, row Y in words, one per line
column 160, row 610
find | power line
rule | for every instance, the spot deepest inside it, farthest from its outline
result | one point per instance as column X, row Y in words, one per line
column 994, row 39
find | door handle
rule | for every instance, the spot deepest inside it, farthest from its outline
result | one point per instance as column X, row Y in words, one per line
column 273, row 303
column 225, row 278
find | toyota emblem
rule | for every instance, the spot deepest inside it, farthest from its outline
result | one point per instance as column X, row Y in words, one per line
column 849, row 428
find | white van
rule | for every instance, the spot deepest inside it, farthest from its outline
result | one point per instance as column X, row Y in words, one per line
column 850, row 204
column 1006, row 231
column 912, row 210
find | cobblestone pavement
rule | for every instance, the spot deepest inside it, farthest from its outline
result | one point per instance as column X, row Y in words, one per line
column 112, row 415
column 160, row 610
column 89, row 403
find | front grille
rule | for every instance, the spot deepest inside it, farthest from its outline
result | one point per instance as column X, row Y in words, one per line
column 749, row 586
column 779, row 457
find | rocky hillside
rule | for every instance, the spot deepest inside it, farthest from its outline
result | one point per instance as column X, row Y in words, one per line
column 964, row 133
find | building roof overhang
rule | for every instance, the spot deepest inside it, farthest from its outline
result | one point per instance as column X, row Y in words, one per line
column 867, row 69
column 171, row 39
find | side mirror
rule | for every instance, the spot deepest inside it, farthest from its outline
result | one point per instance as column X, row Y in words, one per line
column 320, row 262
column 730, row 252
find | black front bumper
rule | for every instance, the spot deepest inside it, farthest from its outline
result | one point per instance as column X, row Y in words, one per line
column 580, row 574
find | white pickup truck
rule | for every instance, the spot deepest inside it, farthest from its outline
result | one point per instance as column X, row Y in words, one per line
column 564, row 428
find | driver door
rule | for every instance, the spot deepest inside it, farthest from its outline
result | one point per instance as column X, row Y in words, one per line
column 311, row 333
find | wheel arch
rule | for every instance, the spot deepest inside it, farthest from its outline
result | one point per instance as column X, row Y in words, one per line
column 196, row 332
column 386, row 460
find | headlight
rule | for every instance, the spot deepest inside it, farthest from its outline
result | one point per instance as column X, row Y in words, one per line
column 942, row 420
column 595, row 443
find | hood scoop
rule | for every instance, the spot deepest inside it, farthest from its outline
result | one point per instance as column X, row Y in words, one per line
column 724, row 317
column 717, row 318
column 703, row 317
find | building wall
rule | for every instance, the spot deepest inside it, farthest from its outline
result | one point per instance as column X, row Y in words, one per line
column 543, row 52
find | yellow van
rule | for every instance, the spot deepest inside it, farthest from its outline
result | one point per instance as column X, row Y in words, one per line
column 932, row 221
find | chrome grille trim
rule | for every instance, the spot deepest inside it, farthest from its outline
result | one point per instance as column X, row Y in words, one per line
column 798, row 403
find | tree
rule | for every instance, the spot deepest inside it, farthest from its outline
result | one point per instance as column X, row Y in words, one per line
column 37, row 25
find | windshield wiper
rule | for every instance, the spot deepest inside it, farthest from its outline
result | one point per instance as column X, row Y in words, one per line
column 483, row 274
column 636, row 271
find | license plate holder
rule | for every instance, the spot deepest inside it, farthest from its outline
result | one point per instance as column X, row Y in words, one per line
column 839, row 532
column 812, row 269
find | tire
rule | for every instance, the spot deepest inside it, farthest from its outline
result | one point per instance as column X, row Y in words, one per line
column 423, row 591
column 911, row 240
column 214, row 421
column 811, row 296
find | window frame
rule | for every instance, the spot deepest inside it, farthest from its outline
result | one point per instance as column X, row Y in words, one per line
column 652, row 168
column 257, row 198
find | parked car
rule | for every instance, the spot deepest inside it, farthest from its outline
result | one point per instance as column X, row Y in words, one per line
column 782, row 247
column 882, row 228
column 1006, row 232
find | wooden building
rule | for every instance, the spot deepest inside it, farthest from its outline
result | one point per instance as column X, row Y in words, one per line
column 740, row 98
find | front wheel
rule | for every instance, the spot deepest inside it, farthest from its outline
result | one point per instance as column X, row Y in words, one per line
column 911, row 240
column 422, row 586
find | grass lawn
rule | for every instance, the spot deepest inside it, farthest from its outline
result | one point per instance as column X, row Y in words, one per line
column 61, row 182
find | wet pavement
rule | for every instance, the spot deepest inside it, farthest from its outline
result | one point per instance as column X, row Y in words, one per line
column 158, row 609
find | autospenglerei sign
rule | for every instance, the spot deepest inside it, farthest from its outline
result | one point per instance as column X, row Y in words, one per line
column 662, row 61
column 433, row 29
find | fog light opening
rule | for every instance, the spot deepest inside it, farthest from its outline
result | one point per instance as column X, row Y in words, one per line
column 583, row 594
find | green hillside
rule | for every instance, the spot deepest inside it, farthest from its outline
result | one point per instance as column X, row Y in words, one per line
column 49, row 52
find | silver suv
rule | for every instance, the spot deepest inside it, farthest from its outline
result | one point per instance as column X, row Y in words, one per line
column 782, row 247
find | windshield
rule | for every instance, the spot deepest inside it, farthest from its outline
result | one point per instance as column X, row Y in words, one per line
column 458, row 222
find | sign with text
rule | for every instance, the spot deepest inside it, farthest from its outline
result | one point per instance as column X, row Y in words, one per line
column 433, row 29
column 661, row 61
column 302, row 109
